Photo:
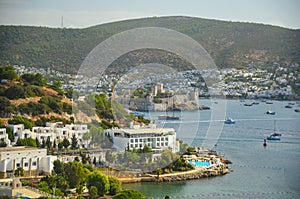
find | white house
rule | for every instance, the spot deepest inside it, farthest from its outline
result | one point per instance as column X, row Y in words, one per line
column 79, row 130
column 137, row 138
column 19, row 131
column 32, row 160
column 4, row 136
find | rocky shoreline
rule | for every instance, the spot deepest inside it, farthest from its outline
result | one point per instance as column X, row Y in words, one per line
column 178, row 176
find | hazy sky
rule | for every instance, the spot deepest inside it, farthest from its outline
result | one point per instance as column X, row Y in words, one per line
column 84, row 13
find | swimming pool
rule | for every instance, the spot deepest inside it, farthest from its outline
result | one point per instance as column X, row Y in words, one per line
column 199, row 163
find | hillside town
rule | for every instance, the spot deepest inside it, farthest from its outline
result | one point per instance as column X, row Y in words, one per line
column 246, row 83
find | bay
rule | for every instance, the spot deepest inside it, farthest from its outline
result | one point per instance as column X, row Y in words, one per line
column 258, row 172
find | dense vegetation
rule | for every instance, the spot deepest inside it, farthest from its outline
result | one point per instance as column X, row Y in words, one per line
column 229, row 44
column 78, row 175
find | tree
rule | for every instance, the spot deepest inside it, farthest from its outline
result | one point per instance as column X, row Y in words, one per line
column 66, row 143
column 43, row 144
column 58, row 167
column 114, row 186
column 35, row 79
column 48, row 142
column 26, row 142
column 100, row 181
column 74, row 142
column 94, row 161
column 74, row 173
column 38, row 144
column 109, row 156
column 19, row 171
column 128, row 194
column 8, row 72
column 10, row 134
column 21, row 120
column 5, row 105
column 93, row 191
column 2, row 143
column 60, row 146
column 43, row 186
column 54, row 144
column 79, row 189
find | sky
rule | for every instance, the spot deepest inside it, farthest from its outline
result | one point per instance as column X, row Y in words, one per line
column 85, row 13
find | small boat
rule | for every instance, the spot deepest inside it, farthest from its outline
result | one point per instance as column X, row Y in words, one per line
column 255, row 103
column 288, row 106
column 168, row 117
column 269, row 112
column 248, row 104
column 291, row 103
column 268, row 102
column 297, row 110
column 263, row 100
column 274, row 136
column 229, row 121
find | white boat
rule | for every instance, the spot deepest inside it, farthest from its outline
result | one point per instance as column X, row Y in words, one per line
column 270, row 112
column 229, row 121
column 274, row 136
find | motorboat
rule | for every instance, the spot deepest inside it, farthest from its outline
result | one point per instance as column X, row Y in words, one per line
column 274, row 136
column 229, row 121
column 269, row 112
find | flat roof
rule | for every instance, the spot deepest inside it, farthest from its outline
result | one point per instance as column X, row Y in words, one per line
column 8, row 149
column 148, row 130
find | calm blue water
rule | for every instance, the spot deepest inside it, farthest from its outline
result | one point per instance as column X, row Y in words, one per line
column 258, row 172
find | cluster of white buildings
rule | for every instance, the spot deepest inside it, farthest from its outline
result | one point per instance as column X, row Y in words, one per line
column 53, row 131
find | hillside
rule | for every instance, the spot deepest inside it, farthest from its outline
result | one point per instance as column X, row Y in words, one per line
column 231, row 44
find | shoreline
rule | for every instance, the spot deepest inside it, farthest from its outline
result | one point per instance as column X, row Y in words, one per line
column 197, row 173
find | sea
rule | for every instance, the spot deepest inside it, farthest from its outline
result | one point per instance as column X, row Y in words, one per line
column 257, row 171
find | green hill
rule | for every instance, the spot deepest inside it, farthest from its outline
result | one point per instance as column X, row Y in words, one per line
column 231, row 44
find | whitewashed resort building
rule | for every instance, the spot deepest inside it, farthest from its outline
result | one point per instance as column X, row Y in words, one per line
column 136, row 137
column 33, row 160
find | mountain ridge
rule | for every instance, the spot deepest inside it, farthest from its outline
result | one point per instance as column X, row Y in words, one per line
column 230, row 44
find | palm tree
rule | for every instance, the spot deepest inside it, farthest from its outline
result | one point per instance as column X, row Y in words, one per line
column 19, row 171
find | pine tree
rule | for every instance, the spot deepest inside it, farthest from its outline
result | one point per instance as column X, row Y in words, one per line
column 38, row 144
column 74, row 142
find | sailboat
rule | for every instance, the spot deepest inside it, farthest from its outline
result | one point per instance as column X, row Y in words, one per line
column 274, row 136
column 169, row 117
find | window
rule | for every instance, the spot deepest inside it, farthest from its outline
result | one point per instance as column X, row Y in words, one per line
column 18, row 165
column 162, row 139
column 136, row 145
column 131, row 140
column 157, row 144
column 131, row 145
column 166, row 144
column 162, row 144
column 141, row 140
column 149, row 140
column 33, row 163
column 141, row 145
column 26, row 164
column 157, row 139
column 166, row 139
column 136, row 140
